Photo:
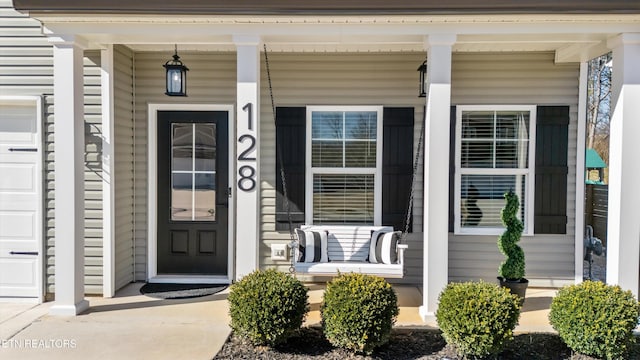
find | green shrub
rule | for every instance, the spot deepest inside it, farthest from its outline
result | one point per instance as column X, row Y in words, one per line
column 477, row 318
column 595, row 319
column 358, row 312
column 513, row 267
column 266, row 307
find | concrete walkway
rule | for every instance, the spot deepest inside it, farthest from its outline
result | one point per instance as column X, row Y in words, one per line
column 128, row 326
column 134, row 326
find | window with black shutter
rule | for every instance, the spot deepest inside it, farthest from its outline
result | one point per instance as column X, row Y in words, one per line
column 552, row 139
column 397, row 157
column 550, row 183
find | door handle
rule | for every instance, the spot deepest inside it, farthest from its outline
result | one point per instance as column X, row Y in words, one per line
column 24, row 149
column 23, row 253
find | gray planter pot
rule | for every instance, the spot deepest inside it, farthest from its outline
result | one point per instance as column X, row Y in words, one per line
column 516, row 287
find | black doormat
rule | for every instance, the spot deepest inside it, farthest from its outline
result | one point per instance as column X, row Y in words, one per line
column 180, row 291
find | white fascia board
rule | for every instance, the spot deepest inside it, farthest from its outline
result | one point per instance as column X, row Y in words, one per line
column 161, row 27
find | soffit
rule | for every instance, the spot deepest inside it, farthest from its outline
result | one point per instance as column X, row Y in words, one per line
column 576, row 37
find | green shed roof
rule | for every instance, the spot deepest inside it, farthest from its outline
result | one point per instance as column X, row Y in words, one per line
column 593, row 160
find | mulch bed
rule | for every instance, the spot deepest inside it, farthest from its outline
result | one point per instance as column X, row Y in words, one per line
column 310, row 343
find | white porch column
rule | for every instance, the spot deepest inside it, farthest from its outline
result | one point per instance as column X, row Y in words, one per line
column 436, row 176
column 108, row 173
column 69, row 175
column 623, row 232
column 247, row 186
column 580, row 172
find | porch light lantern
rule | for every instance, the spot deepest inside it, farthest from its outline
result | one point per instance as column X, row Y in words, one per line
column 422, row 86
column 176, row 76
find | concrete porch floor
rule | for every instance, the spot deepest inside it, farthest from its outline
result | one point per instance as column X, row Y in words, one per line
column 134, row 326
column 533, row 316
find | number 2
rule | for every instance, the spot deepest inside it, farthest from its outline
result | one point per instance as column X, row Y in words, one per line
column 244, row 155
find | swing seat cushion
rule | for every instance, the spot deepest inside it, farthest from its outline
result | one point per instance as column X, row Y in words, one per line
column 383, row 247
column 312, row 246
column 350, row 249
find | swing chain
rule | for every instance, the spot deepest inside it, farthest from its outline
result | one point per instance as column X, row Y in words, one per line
column 283, row 179
column 407, row 221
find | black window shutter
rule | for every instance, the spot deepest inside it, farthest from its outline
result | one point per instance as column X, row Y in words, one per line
column 552, row 138
column 291, row 143
column 397, row 165
column 452, row 167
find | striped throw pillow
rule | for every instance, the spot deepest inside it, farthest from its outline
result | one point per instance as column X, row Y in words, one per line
column 312, row 246
column 383, row 248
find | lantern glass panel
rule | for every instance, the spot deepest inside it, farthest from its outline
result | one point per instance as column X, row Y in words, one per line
column 174, row 81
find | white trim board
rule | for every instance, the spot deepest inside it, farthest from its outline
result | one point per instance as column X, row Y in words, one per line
column 152, row 265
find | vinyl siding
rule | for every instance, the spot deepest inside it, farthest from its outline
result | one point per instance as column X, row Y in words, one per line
column 524, row 79
column 388, row 79
column 93, row 173
column 26, row 68
column 302, row 79
column 93, row 181
column 211, row 80
column 124, row 165
column 362, row 79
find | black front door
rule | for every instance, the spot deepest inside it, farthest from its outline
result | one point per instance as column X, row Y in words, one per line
column 192, row 192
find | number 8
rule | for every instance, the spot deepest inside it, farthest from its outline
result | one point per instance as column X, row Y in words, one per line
column 244, row 177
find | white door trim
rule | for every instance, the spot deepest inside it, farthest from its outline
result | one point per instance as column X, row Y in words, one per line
column 152, row 238
column 37, row 101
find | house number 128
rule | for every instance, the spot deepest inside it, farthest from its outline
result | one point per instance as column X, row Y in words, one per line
column 247, row 173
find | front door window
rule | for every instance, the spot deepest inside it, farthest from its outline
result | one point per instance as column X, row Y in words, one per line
column 193, row 172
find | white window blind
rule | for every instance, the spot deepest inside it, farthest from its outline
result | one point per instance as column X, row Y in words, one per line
column 344, row 157
column 494, row 148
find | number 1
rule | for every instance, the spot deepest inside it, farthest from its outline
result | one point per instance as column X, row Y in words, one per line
column 249, row 109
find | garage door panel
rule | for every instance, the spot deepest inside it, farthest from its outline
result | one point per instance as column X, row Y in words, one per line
column 18, row 275
column 17, row 225
column 18, row 125
column 17, row 178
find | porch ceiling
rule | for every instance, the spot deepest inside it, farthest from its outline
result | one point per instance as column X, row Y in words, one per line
column 572, row 37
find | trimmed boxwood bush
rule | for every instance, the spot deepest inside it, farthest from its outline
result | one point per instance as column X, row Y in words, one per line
column 358, row 312
column 595, row 319
column 266, row 307
column 477, row 318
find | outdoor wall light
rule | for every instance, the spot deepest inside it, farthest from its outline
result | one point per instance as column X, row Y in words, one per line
column 176, row 76
column 422, row 87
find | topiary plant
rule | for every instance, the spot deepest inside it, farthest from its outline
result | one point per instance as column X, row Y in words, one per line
column 358, row 312
column 477, row 318
column 595, row 319
column 266, row 307
column 512, row 268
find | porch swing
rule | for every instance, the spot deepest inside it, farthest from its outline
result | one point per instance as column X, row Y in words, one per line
column 326, row 250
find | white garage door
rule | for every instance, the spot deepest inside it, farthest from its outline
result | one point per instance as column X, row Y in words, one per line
column 20, row 198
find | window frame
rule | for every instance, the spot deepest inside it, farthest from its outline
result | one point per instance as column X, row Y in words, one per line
column 310, row 171
column 529, row 172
